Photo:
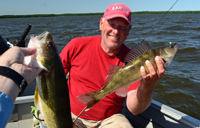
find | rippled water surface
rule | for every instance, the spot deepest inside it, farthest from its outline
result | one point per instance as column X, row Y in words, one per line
column 180, row 86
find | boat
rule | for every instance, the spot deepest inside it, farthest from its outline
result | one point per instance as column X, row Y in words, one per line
column 158, row 115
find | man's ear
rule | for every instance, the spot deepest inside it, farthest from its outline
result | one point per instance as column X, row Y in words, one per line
column 101, row 23
column 129, row 29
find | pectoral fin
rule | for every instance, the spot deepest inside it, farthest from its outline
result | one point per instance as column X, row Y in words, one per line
column 36, row 97
column 122, row 91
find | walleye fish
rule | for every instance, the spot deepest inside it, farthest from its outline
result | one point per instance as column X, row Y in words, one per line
column 119, row 78
column 51, row 94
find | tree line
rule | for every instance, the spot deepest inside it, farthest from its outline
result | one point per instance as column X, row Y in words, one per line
column 82, row 14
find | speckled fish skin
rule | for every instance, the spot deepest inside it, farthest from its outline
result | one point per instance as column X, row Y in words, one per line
column 131, row 72
column 51, row 95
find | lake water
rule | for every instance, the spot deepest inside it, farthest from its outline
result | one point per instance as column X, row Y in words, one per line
column 180, row 86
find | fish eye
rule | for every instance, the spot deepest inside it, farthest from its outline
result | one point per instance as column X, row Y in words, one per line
column 49, row 44
column 171, row 46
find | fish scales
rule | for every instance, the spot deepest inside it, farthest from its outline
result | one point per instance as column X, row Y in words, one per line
column 130, row 73
column 54, row 98
column 51, row 94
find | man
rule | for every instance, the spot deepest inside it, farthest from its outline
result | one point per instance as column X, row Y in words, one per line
column 11, row 62
column 87, row 59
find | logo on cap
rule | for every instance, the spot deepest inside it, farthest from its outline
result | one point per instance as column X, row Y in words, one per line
column 120, row 8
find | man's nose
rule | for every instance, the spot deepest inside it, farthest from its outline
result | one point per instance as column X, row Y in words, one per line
column 116, row 30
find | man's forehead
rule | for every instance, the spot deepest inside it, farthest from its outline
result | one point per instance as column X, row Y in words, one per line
column 119, row 20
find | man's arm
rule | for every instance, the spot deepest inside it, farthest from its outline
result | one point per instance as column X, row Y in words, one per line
column 140, row 99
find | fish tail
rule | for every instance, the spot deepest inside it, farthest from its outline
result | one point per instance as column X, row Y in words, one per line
column 89, row 99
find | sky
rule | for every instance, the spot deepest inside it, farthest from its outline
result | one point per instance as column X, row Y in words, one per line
column 26, row 7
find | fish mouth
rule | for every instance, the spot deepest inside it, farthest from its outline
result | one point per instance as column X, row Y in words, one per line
column 168, row 60
column 176, row 48
column 44, row 72
column 164, row 60
column 44, row 43
column 43, row 35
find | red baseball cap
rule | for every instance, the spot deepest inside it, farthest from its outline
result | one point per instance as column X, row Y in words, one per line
column 118, row 10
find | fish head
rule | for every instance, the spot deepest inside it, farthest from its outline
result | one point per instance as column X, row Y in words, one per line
column 46, row 51
column 168, row 52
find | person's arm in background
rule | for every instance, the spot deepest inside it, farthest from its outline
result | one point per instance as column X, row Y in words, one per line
column 9, row 90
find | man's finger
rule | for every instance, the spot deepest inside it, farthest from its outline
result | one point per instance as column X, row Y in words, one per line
column 161, row 66
column 142, row 71
column 151, row 69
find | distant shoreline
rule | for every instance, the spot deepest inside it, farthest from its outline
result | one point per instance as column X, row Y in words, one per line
column 82, row 14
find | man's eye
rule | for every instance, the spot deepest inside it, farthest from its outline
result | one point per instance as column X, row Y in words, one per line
column 112, row 25
column 123, row 27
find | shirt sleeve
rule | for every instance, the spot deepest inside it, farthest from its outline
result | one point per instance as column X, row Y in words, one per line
column 6, row 108
column 65, row 56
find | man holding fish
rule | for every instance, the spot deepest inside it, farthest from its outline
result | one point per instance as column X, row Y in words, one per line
column 91, row 64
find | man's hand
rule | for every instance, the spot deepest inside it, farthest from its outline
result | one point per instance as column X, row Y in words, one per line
column 149, row 80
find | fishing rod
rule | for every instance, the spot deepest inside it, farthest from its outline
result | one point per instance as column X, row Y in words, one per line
column 20, row 41
column 159, row 21
column 80, row 114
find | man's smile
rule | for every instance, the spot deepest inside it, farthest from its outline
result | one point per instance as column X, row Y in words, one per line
column 114, row 37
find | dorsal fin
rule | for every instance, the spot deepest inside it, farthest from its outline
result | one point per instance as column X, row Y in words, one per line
column 137, row 50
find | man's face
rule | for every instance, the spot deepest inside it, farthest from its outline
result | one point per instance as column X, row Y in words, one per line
column 114, row 32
